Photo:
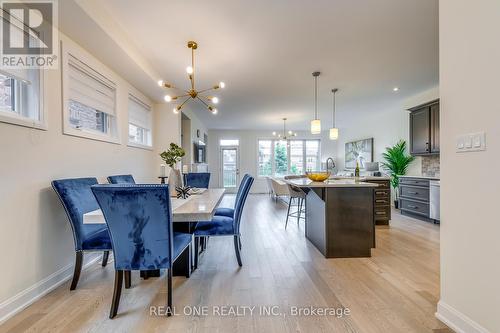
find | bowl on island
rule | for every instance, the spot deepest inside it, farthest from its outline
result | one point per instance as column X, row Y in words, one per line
column 318, row 176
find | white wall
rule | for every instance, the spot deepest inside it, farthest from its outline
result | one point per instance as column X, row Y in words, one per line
column 248, row 152
column 470, row 228
column 36, row 239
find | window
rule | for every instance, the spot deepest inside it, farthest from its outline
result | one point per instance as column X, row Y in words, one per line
column 21, row 93
column 265, row 166
column 297, row 157
column 89, row 99
column 229, row 142
column 20, row 97
column 279, row 158
column 139, row 123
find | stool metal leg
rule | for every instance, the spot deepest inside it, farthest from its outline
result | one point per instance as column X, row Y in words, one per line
column 288, row 212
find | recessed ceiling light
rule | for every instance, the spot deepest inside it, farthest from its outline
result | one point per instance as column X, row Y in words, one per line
column 395, row 89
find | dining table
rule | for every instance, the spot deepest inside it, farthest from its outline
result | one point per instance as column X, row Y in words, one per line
column 199, row 206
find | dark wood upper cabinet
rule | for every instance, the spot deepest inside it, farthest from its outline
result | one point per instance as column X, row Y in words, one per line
column 424, row 129
column 435, row 128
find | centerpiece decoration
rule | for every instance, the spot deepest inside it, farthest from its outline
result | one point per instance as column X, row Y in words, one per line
column 172, row 157
column 183, row 192
column 318, row 176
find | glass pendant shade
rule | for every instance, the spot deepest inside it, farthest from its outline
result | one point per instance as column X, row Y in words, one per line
column 334, row 133
column 315, row 126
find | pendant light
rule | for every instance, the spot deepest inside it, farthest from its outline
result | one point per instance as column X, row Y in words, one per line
column 316, row 123
column 334, row 131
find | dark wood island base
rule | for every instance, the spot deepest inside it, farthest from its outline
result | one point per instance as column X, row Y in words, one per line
column 340, row 221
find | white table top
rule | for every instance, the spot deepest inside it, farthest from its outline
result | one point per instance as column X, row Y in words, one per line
column 197, row 207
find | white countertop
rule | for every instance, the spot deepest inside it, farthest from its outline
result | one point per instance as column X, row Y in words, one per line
column 422, row 177
column 362, row 178
column 306, row 182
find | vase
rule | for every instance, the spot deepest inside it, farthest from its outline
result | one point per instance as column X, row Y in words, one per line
column 174, row 180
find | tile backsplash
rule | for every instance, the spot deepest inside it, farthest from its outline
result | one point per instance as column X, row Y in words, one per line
column 430, row 166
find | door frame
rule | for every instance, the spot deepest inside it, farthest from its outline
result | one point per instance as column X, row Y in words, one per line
column 221, row 168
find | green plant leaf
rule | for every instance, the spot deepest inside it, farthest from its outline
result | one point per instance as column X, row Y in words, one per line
column 173, row 155
column 396, row 161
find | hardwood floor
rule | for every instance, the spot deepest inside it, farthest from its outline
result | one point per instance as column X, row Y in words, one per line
column 396, row 290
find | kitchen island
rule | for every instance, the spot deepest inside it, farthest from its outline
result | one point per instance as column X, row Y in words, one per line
column 339, row 216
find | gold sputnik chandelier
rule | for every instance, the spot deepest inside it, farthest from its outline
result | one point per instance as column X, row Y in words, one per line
column 192, row 93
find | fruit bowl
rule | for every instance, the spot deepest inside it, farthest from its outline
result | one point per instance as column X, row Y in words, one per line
column 318, row 176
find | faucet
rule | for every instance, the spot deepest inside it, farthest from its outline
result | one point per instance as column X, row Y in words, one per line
column 328, row 165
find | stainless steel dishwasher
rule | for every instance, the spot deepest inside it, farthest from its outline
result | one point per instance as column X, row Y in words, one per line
column 434, row 200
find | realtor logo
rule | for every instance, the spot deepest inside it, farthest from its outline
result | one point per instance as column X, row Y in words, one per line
column 29, row 34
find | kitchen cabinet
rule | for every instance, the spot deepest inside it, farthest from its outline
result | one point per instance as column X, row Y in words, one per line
column 414, row 197
column 382, row 200
column 424, row 129
column 434, row 128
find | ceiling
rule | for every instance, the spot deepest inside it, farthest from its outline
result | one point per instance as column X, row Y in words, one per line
column 265, row 52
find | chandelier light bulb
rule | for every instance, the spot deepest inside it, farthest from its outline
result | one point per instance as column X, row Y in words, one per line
column 290, row 132
column 222, row 85
column 214, row 111
column 160, row 83
column 176, row 111
column 189, row 70
column 274, row 133
column 215, row 100
column 167, row 98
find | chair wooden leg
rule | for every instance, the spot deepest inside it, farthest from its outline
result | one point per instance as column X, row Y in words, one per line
column 78, row 270
column 188, row 262
column 128, row 279
column 237, row 249
column 105, row 257
column 169, row 296
column 288, row 212
column 196, row 251
column 117, row 292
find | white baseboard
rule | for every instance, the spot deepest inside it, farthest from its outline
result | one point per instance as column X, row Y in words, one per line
column 456, row 320
column 25, row 298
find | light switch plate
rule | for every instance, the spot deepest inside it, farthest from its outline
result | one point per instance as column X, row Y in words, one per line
column 468, row 141
column 471, row 142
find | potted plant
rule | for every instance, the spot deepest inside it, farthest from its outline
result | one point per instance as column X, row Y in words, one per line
column 396, row 163
column 171, row 157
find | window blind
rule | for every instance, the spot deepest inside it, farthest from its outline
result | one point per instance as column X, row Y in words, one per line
column 89, row 87
column 139, row 114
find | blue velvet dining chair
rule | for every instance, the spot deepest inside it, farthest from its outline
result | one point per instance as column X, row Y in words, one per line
column 197, row 179
column 224, row 225
column 227, row 211
column 121, row 179
column 139, row 218
column 77, row 199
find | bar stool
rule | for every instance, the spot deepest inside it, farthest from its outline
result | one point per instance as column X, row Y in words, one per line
column 298, row 195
